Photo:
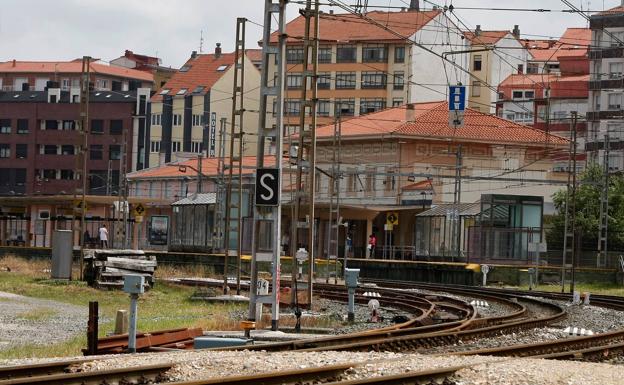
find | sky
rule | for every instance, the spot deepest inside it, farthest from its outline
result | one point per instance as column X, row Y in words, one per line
column 171, row 29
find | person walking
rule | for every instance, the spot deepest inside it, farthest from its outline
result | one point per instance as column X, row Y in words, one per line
column 103, row 232
column 372, row 243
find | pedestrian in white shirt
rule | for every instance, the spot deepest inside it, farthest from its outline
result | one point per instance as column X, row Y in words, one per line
column 103, row 232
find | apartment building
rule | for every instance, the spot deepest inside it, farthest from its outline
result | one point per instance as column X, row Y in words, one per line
column 16, row 75
column 495, row 55
column 607, row 87
column 150, row 64
column 39, row 140
column 190, row 110
column 364, row 68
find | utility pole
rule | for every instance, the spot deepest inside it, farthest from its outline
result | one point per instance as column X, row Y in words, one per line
column 199, row 173
column 334, row 202
column 457, row 229
column 123, row 190
column 236, row 159
column 81, row 161
column 310, row 50
column 603, row 230
column 266, row 137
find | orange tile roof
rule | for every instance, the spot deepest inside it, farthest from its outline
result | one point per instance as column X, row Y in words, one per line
column 209, row 167
column 71, row 67
column 540, row 79
column 255, row 54
column 350, row 28
column 431, row 122
column 419, row 186
column 486, row 37
column 201, row 71
column 618, row 9
column 573, row 42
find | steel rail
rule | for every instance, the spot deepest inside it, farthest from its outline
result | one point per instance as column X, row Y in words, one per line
column 30, row 370
column 94, row 377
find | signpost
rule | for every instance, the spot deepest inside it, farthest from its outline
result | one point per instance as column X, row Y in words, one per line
column 457, row 106
column 267, row 187
column 213, row 132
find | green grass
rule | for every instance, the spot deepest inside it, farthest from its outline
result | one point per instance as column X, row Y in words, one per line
column 592, row 288
column 164, row 307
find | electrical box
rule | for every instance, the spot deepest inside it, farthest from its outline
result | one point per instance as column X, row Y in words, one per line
column 351, row 277
column 134, row 284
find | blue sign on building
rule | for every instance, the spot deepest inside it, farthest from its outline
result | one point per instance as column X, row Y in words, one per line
column 457, row 98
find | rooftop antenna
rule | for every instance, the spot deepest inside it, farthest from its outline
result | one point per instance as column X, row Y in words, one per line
column 201, row 41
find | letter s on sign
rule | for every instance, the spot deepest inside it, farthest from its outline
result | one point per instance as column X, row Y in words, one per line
column 269, row 196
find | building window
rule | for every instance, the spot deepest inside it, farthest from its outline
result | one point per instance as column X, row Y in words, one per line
column 69, row 125
column 21, row 151
column 520, row 68
column 50, row 149
column 324, row 55
column 374, row 53
column 68, row 149
column 344, row 107
column 51, row 124
column 294, row 55
column 97, row 126
column 67, row 174
column 22, row 126
column 292, row 107
column 116, row 127
column 396, row 102
column 176, row 146
column 293, row 81
column 5, row 126
column 177, row 119
column 615, row 101
column 532, row 68
column 101, row 84
column 196, row 147
column 373, row 80
column 476, row 88
column 616, row 39
column 399, row 54
column 389, row 182
column 346, row 54
column 345, row 80
column 371, row 105
column 615, row 70
column 476, row 63
column 156, row 119
column 517, row 95
column 5, row 150
column 197, row 119
column 399, row 80
column 49, row 174
column 114, row 152
column 323, row 81
column 529, row 94
column 323, row 107
column 155, row 146
column 96, row 151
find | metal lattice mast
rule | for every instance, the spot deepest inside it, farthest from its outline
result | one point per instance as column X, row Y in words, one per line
column 310, row 49
column 604, row 208
column 334, row 202
column 570, row 235
column 81, row 161
column 220, row 206
column 267, row 135
column 233, row 210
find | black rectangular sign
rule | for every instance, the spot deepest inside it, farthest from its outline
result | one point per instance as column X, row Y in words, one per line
column 267, row 187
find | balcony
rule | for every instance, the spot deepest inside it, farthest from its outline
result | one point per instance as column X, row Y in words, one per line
column 606, row 53
column 603, row 115
column 598, row 144
column 606, row 84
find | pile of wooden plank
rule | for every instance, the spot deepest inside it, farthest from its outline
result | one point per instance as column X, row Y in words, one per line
column 105, row 268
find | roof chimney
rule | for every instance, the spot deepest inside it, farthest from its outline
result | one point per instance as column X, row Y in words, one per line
column 516, row 31
column 415, row 5
column 331, row 11
column 478, row 30
column 193, row 54
column 217, row 52
column 14, row 63
column 409, row 112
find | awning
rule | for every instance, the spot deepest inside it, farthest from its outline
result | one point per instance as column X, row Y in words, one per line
column 465, row 210
column 197, row 199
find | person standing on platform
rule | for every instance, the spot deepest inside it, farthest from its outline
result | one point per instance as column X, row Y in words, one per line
column 103, row 232
column 372, row 244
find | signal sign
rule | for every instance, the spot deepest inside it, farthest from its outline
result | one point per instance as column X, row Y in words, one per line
column 267, row 187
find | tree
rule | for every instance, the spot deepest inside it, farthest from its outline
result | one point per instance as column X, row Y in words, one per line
column 588, row 194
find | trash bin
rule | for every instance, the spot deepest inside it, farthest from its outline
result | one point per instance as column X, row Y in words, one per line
column 62, row 254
